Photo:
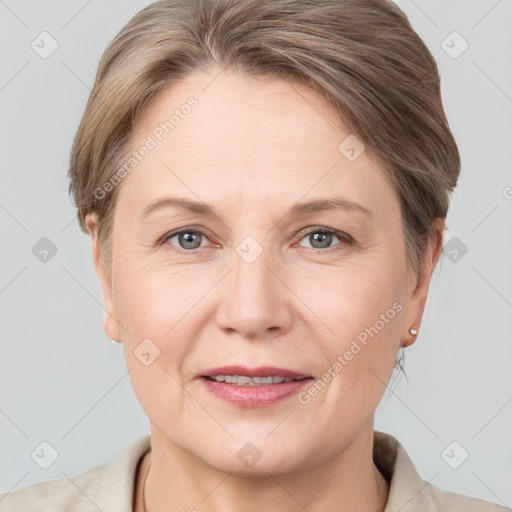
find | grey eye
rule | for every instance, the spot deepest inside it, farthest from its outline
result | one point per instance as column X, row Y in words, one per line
column 321, row 238
column 187, row 240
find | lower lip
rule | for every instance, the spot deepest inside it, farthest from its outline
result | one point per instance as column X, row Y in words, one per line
column 254, row 396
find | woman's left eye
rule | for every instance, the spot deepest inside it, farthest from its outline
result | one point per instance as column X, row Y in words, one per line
column 191, row 239
column 322, row 237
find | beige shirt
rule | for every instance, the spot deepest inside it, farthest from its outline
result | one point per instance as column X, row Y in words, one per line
column 110, row 487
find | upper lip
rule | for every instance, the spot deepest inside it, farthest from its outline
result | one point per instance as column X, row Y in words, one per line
column 261, row 371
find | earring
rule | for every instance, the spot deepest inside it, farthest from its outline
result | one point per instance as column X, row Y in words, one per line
column 115, row 341
column 413, row 332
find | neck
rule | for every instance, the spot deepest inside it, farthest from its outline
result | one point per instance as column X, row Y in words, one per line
column 179, row 478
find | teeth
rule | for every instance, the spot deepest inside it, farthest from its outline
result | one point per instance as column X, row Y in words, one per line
column 244, row 380
column 264, row 380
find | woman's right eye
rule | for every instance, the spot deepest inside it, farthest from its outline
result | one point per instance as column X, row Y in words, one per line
column 187, row 239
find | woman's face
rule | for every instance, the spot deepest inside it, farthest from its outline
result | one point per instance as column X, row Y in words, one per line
column 253, row 281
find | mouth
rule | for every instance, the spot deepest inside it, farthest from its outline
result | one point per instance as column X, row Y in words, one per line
column 248, row 388
column 246, row 377
column 244, row 380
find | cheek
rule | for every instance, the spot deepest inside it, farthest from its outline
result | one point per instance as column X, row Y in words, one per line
column 362, row 309
column 155, row 308
column 351, row 297
column 152, row 299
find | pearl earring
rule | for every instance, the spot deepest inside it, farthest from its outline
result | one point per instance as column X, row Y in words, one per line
column 115, row 341
column 413, row 331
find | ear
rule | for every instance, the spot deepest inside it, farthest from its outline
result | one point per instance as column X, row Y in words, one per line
column 111, row 325
column 419, row 284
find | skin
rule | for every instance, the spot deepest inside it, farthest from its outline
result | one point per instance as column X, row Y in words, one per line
column 253, row 148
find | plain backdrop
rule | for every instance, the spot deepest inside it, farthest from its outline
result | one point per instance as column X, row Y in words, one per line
column 65, row 383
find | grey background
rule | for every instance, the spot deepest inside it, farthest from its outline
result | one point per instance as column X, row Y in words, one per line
column 64, row 382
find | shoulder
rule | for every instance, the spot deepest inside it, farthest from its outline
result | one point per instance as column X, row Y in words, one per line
column 408, row 492
column 79, row 494
column 106, row 487
column 453, row 502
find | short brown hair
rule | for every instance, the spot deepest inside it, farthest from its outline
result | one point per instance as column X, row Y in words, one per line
column 362, row 55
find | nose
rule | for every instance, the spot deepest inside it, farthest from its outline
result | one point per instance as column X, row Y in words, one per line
column 255, row 303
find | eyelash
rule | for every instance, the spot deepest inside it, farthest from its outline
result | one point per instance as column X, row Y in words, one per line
column 345, row 239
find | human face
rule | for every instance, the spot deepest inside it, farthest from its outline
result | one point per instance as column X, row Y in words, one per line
column 253, row 284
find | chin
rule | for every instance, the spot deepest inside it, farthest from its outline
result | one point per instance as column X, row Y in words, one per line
column 248, row 459
column 262, row 468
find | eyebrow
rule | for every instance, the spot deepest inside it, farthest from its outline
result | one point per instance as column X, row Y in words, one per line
column 299, row 209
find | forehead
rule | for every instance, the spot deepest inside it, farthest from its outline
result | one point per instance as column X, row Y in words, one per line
column 248, row 140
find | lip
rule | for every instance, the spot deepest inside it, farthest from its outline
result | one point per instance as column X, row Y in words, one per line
column 253, row 397
column 261, row 371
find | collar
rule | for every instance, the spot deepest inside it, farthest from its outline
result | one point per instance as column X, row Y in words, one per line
column 408, row 492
